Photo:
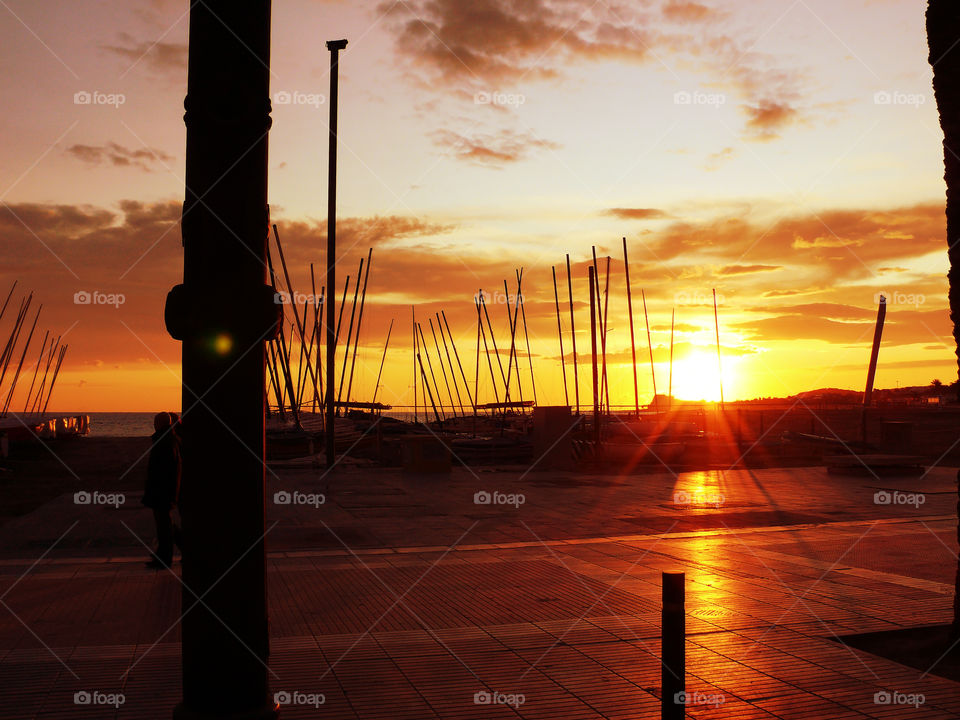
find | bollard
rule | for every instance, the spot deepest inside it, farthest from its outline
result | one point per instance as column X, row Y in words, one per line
column 673, row 656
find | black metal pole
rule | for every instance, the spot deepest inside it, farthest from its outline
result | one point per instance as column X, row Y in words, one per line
column 457, row 356
column 356, row 342
column 633, row 342
column 603, row 335
column 672, row 640
column 493, row 340
column 526, row 337
column 56, row 372
column 593, row 361
column 36, row 369
column 653, row 374
column 444, row 369
column 875, row 351
column 872, row 370
column 223, row 313
column 23, row 355
column 573, row 340
column 563, row 363
column 346, row 352
column 376, row 386
column 716, row 325
column 334, row 46
column 43, row 383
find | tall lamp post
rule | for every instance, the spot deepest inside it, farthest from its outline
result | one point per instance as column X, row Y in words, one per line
column 334, row 46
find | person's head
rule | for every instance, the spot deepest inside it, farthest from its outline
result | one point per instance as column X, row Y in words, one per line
column 175, row 423
column 161, row 421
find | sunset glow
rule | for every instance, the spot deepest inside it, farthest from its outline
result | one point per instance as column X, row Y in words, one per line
column 462, row 160
column 695, row 377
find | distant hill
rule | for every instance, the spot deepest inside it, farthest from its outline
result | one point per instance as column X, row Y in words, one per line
column 831, row 392
column 843, row 395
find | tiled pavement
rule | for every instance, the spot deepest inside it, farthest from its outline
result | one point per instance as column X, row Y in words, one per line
column 555, row 602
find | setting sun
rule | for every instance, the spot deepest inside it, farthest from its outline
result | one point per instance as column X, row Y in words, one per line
column 695, row 377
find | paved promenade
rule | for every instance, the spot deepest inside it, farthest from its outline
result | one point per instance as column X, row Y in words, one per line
column 411, row 597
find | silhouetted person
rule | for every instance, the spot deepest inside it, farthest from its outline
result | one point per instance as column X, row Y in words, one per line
column 162, row 488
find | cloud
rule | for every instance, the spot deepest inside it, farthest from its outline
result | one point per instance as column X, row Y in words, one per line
column 822, row 249
column 766, row 119
column 491, row 150
column 135, row 249
column 834, row 311
column 165, row 57
column 717, row 159
column 678, row 327
column 637, row 213
column 688, row 12
column 747, row 269
column 146, row 159
column 788, row 293
column 458, row 46
column 303, row 239
column 904, row 327
column 498, row 41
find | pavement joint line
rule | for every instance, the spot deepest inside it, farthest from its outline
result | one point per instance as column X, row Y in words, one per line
column 108, row 560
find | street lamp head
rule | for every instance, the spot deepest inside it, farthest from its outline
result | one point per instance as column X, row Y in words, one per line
column 336, row 45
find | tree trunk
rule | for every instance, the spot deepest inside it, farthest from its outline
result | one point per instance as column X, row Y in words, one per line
column 943, row 35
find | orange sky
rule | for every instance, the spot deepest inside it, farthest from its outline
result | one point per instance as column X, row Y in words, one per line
column 787, row 155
